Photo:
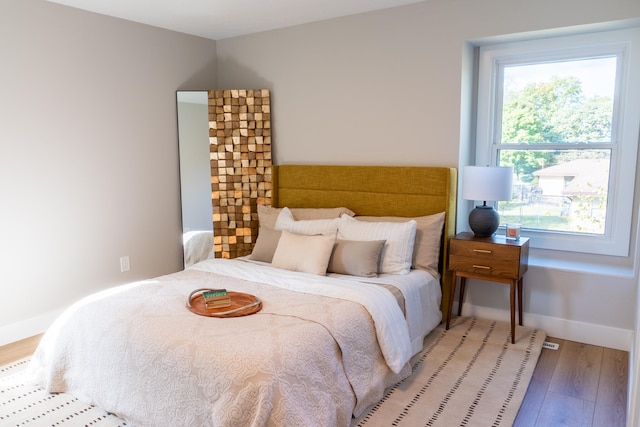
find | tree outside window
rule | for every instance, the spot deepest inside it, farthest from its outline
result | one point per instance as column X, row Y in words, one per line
column 556, row 132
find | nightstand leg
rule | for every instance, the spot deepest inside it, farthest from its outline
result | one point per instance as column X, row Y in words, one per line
column 512, row 298
column 463, row 285
column 452, row 292
column 520, row 301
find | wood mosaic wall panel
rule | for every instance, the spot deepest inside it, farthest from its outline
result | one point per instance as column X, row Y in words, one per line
column 240, row 150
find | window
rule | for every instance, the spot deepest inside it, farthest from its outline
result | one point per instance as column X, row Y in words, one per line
column 565, row 114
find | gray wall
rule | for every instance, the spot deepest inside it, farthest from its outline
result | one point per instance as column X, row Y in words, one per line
column 88, row 154
column 395, row 87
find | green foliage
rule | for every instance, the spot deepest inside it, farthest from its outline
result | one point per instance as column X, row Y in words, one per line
column 525, row 162
column 554, row 111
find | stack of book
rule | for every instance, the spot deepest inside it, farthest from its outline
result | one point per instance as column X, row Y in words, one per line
column 217, row 298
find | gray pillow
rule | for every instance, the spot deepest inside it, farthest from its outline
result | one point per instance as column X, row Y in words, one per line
column 426, row 249
column 266, row 244
column 357, row 258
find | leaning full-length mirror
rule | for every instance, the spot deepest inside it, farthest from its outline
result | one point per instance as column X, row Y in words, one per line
column 195, row 175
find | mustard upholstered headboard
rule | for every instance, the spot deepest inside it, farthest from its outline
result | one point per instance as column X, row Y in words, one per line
column 374, row 190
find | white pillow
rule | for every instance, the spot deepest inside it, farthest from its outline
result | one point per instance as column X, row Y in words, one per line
column 397, row 252
column 267, row 215
column 327, row 227
column 308, row 254
column 426, row 248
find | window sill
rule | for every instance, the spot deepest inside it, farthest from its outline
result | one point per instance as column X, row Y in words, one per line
column 582, row 263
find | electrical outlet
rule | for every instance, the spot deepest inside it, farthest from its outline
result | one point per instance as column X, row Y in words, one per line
column 124, row 264
column 550, row 345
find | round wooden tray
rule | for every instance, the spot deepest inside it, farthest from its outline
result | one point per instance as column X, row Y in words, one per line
column 238, row 300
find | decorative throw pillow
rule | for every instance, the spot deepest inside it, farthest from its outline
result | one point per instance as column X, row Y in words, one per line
column 357, row 258
column 266, row 244
column 397, row 251
column 307, row 254
column 426, row 249
column 327, row 227
column 268, row 215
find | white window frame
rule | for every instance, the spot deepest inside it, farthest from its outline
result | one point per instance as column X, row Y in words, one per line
column 625, row 44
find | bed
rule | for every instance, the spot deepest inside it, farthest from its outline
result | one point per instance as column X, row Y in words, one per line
column 322, row 349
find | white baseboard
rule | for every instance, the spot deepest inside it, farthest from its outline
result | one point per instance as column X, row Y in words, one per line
column 28, row 327
column 588, row 333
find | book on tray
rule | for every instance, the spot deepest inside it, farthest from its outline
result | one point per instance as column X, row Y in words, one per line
column 217, row 298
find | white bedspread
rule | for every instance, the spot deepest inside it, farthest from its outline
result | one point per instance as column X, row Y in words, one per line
column 391, row 327
column 422, row 294
column 313, row 356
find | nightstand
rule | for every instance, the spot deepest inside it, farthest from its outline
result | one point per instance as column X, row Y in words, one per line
column 494, row 259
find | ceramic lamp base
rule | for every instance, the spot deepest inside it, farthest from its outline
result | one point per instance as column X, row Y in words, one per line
column 484, row 221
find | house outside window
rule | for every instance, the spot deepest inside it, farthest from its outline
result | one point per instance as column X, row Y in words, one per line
column 564, row 112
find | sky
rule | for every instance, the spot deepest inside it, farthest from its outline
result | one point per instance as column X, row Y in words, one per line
column 597, row 75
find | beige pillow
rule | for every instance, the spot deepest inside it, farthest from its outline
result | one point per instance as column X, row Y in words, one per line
column 357, row 258
column 309, row 227
column 307, row 254
column 397, row 251
column 268, row 215
column 266, row 244
column 300, row 214
column 426, row 250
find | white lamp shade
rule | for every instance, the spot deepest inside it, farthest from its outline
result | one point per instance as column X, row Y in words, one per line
column 487, row 183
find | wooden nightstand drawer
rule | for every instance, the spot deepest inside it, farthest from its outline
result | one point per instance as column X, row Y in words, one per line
column 490, row 256
column 488, row 267
column 484, row 258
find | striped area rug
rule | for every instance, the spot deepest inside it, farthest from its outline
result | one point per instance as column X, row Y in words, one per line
column 470, row 375
column 24, row 405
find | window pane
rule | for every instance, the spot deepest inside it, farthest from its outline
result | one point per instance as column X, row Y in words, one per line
column 559, row 102
column 558, row 190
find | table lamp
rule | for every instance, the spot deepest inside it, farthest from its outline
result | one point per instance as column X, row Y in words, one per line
column 486, row 183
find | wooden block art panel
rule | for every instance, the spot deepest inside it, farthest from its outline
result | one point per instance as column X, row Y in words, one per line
column 240, row 150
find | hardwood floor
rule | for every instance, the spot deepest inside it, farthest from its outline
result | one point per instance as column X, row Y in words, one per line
column 577, row 385
column 18, row 349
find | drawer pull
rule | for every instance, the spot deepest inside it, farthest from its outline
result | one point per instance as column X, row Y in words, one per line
column 482, row 251
column 482, row 267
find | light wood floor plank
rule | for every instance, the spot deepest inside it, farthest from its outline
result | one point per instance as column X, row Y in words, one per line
column 537, row 390
column 611, row 404
column 18, row 350
column 561, row 410
column 578, row 371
